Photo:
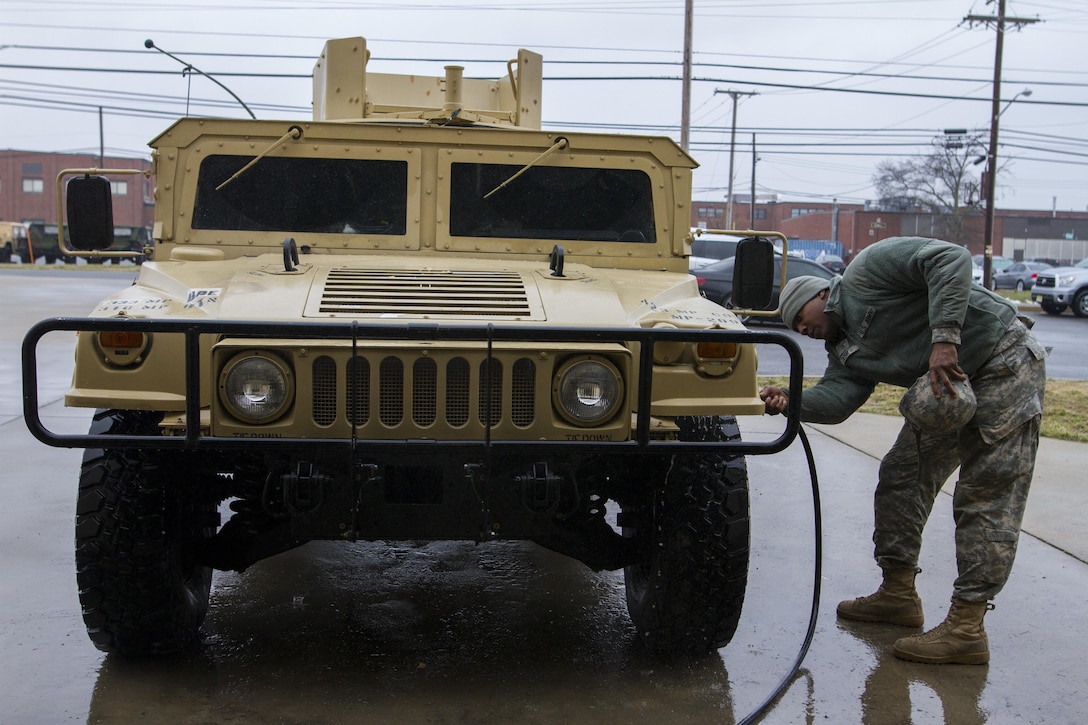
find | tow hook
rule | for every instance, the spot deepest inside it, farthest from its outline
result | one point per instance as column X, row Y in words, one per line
column 304, row 490
column 540, row 489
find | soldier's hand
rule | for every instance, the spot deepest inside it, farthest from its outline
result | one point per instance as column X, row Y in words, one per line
column 775, row 399
column 944, row 367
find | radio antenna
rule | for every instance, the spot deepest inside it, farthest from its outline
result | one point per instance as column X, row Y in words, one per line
column 149, row 43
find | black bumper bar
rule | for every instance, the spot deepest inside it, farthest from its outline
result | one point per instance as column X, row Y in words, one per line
column 359, row 334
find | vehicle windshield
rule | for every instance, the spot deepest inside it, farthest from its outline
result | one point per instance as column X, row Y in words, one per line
column 547, row 202
column 339, row 196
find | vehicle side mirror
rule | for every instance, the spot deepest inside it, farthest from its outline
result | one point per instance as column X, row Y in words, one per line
column 753, row 274
column 90, row 213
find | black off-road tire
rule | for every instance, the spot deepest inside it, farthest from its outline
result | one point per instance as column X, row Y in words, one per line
column 138, row 524
column 685, row 596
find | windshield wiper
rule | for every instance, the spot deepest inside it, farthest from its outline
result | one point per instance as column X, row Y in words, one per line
column 560, row 144
column 293, row 133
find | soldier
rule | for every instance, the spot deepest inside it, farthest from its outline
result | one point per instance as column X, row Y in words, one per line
column 905, row 312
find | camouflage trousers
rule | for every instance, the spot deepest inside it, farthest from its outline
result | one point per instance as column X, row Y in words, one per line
column 996, row 456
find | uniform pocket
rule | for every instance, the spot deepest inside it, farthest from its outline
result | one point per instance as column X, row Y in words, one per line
column 1010, row 390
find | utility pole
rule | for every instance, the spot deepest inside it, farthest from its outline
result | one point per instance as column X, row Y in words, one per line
column 835, row 223
column 732, row 148
column 999, row 23
column 752, row 204
column 101, row 141
column 685, row 100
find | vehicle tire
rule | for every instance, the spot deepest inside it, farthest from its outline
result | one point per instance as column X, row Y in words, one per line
column 1080, row 304
column 1052, row 309
column 138, row 524
column 686, row 593
column 1019, row 285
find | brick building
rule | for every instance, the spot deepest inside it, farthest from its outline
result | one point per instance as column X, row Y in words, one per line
column 28, row 186
column 1018, row 234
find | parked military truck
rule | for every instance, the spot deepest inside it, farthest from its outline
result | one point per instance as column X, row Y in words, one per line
column 417, row 316
column 15, row 243
column 46, row 243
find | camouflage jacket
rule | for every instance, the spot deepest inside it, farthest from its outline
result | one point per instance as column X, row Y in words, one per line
column 897, row 298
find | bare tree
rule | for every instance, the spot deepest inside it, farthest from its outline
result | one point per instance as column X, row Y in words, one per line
column 941, row 183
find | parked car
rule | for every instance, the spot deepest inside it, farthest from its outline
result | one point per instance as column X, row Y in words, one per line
column 1061, row 287
column 833, row 262
column 1018, row 276
column 997, row 263
column 716, row 280
column 709, row 249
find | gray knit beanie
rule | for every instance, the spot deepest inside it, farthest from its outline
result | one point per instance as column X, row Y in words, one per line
column 797, row 292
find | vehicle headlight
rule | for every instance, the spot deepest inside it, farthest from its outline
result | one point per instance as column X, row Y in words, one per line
column 587, row 390
column 1067, row 281
column 256, row 387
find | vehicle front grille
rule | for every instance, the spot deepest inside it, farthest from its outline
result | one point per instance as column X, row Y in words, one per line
column 1041, row 281
column 434, row 393
column 422, row 293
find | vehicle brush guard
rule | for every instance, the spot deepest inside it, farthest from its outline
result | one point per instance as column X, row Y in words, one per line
column 359, row 334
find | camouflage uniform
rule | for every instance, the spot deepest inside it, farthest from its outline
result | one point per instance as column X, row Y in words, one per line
column 997, row 462
column 895, row 300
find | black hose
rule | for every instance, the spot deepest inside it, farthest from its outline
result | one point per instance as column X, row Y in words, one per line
column 817, row 572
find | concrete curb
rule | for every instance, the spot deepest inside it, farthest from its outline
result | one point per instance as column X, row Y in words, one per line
column 1058, row 494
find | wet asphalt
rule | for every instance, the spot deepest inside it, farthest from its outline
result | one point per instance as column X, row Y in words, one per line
column 447, row 632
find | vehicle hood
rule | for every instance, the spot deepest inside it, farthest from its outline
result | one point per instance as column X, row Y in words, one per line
column 327, row 288
column 1055, row 271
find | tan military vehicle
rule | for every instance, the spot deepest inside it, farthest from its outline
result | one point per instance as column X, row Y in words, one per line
column 417, row 316
column 15, row 243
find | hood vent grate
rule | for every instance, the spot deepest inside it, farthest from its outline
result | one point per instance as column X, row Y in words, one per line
column 427, row 293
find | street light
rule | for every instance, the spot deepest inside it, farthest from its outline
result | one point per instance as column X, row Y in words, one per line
column 1026, row 93
column 991, row 177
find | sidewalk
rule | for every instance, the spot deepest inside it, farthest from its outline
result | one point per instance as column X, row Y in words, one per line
column 1058, row 501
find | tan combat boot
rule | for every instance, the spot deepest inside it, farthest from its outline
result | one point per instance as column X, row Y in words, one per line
column 895, row 602
column 960, row 639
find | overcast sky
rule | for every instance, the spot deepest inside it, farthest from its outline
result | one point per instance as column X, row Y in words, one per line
column 839, row 85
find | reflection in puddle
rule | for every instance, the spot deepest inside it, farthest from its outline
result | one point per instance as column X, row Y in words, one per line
column 437, row 632
column 905, row 692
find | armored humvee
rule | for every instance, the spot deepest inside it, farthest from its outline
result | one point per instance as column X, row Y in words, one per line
column 417, row 316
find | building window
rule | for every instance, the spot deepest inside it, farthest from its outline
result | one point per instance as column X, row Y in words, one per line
column 761, row 213
column 32, row 169
column 119, row 188
column 33, row 186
